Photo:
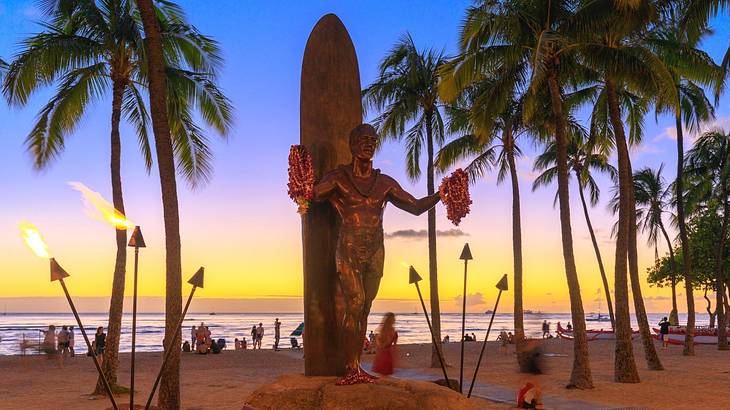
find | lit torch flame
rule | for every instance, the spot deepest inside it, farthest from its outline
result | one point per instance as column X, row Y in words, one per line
column 34, row 240
column 98, row 208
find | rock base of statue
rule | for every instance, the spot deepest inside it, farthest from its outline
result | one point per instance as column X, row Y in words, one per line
column 296, row 391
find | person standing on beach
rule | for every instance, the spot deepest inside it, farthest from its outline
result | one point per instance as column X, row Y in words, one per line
column 62, row 339
column 193, row 334
column 545, row 329
column 387, row 338
column 100, row 343
column 277, row 333
column 253, row 337
column 260, row 334
column 664, row 332
column 71, row 341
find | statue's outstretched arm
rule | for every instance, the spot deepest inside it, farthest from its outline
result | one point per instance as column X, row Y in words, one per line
column 325, row 188
column 407, row 202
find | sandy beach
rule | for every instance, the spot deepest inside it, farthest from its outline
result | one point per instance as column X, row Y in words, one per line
column 225, row 381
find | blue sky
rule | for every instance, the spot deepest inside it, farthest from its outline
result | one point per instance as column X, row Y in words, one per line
column 242, row 224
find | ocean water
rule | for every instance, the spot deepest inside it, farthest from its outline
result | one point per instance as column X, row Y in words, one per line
column 412, row 327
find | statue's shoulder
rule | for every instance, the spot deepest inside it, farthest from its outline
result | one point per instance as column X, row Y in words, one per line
column 337, row 172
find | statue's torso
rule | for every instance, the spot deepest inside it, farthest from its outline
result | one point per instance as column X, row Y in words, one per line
column 360, row 202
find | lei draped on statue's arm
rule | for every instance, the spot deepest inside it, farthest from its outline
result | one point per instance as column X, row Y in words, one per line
column 301, row 177
column 454, row 192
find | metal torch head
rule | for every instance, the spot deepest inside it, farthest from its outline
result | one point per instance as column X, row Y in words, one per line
column 466, row 253
column 502, row 284
column 137, row 240
column 197, row 279
column 57, row 272
column 413, row 276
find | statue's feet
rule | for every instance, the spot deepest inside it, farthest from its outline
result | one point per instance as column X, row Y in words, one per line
column 368, row 375
column 358, row 376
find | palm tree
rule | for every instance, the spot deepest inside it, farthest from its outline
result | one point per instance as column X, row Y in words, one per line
column 606, row 34
column 517, row 34
column 708, row 171
column 487, row 149
column 405, row 94
column 582, row 160
column 90, row 48
column 691, row 70
column 654, row 199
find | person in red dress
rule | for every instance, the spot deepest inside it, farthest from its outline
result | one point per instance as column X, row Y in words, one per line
column 387, row 338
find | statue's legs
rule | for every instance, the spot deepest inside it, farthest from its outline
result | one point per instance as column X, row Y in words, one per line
column 359, row 258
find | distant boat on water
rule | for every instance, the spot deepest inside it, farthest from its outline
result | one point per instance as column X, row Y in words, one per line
column 488, row 312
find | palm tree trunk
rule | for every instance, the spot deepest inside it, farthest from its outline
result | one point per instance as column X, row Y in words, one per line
column 650, row 354
column 111, row 353
column 432, row 265
column 509, row 146
column 719, row 276
column 624, row 363
column 169, row 397
column 580, row 376
column 673, row 316
column 689, row 345
column 597, row 250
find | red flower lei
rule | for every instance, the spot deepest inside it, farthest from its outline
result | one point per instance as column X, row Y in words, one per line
column 301, row 177
column 454, row 192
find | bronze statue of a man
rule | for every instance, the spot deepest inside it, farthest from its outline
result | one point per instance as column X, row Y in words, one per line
column 359, row 194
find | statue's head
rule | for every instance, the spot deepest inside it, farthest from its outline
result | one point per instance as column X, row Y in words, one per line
column 363, row 141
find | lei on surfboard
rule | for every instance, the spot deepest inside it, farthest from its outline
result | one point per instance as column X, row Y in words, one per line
column 454, row 189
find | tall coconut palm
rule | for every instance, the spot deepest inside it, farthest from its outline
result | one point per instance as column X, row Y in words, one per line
column 405, row 95
column 653, row 200
column 92, row 48
column 708, row 170
column 169, row 397
column 488, row 149
column 691, row 70
column 606, row 35
column 530, row 34
column 583, row 159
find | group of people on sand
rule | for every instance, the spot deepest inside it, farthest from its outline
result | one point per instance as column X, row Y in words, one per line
column 62, row 343
column 202, row 342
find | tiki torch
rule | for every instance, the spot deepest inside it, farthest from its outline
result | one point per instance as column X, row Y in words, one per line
column 414, row 278
column 466, row 257
column 136, row 241
column 502, row 286
column 35, row 241
column 197, row 281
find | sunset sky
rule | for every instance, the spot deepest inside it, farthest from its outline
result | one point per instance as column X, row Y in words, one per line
column 242, row 226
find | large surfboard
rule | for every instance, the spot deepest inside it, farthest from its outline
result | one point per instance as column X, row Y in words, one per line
column 330, row 108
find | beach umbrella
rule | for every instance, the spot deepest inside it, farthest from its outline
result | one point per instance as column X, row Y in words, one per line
column 298, row 331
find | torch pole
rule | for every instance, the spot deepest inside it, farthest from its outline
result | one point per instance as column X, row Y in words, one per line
column 463, row 327
column 134, row 328
column 88, row 344
column 169, row 348
column 484, row 344
column 433, row 338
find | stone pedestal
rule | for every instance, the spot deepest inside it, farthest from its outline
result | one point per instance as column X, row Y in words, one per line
column 303, row 392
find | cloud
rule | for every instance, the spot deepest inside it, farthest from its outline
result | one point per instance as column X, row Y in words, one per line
column 656, row 298
column 423, row 234
column 472, row 299
column 670, row 133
